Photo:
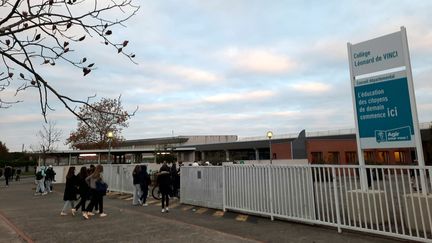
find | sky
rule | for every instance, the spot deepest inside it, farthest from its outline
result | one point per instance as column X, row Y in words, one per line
column 224, row 67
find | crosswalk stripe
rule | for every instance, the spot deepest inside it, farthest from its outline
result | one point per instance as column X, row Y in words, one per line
column 174, row 205
column 241, row 217
column 186, row 208
column 124, row 197
column 152, row 202
column 201, row 210
column 128, row 199
column 219, row 213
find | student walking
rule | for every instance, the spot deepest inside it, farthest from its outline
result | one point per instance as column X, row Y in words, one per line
column 145, row 182
column 40, row 184
column 7, row 174
column 83, row 191
column 98, row 190
column 136, row 173
column 49, row 178
column 164, row 182
column 70, row 192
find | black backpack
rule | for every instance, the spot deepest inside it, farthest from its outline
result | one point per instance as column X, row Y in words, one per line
column 39, row 175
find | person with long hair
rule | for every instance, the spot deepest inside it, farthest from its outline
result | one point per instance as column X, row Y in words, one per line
column 137, row 187
column 70, row 191
column 97, row 196
column 83, row 191
column 164, row 182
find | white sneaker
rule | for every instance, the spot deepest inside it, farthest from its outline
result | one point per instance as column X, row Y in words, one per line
column 85, row 215
column 43, row 194
column 167, row 209
column 63, row 214
column 73, row 210
column 145, row 204
column 163, row 210
column 103, row 215
column 90, row 214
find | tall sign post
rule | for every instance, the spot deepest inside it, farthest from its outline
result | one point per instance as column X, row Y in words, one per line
column 383, row 98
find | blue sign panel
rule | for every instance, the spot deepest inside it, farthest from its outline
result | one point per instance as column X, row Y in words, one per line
column 384, row 112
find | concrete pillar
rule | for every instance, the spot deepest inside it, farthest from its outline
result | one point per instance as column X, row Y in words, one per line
column 202, row 156
column 256, row 154
column 227, row 155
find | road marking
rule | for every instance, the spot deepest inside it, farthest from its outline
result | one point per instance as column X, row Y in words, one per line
column 241, row 218
column 201, row 210
column 186, row 208
column 219, row 213
column 20, row 233
column 152, row 202
column 174, row 205
column 124, row 196
column 128, row 199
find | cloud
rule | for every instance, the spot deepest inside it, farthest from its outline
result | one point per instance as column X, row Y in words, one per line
column 311, row 87
column 259, row 61
column 237, row 97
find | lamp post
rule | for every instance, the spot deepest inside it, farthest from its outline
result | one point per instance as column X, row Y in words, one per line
column 269, row 136
column 110, row 135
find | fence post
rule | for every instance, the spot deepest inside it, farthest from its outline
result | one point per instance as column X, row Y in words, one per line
column 223, row 189
column 270, row 191
column 335, row 191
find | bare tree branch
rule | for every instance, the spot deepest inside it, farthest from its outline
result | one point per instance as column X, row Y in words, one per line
column 44, row 32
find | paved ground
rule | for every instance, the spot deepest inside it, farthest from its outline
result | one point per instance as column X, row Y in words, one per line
column 28, row 218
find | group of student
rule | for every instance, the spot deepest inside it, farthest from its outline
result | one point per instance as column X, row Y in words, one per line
column 45, row 176
column 9, row 174
column 168, row 180
column 89, row 185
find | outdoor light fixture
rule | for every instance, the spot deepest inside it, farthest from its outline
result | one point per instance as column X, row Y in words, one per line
column 110, row 135
column 269, row 136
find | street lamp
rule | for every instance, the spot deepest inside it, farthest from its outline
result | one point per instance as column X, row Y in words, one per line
column 110, row 135
column 269, row 136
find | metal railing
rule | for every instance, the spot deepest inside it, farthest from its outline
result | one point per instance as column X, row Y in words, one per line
column 394, row 204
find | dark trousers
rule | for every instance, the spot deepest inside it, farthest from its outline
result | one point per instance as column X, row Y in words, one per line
column 97, row 199
column 82, row 203
column 7, row 180
column 144, row 195
column 165, row 200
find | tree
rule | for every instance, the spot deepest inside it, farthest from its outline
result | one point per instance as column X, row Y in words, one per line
column 4, row 151
column 93, row 134
column 49, row 137
column 44, row 32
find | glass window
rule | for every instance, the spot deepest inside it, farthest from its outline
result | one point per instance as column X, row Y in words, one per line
column 333, row 158
column 400, row 156
column 351, row 157
column 369, row 157
column 383, row 157
column 317, row 158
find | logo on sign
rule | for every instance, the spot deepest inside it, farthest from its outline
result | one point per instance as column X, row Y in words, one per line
column 393, row 135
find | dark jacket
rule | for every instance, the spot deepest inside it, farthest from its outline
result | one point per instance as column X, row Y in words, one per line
column 83, row 187
column 70, row 192
column 164, row 180
column 50, row 174
column 136, row 177
column 145, row 180
column 8, row 171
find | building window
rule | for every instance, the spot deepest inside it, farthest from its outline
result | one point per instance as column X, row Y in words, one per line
column 317, row 157
column 383, row 157
column 369, row 157
column 400, row 157
column 333, row 158
column 351, row 157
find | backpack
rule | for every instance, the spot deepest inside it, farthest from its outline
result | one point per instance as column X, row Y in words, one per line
column 101, row 187
column 39, row 175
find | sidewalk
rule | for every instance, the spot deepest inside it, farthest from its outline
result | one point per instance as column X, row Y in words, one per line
column 39, row 218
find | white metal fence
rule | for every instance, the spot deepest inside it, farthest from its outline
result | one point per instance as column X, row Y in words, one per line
column 394, row 204
column 202, row 186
